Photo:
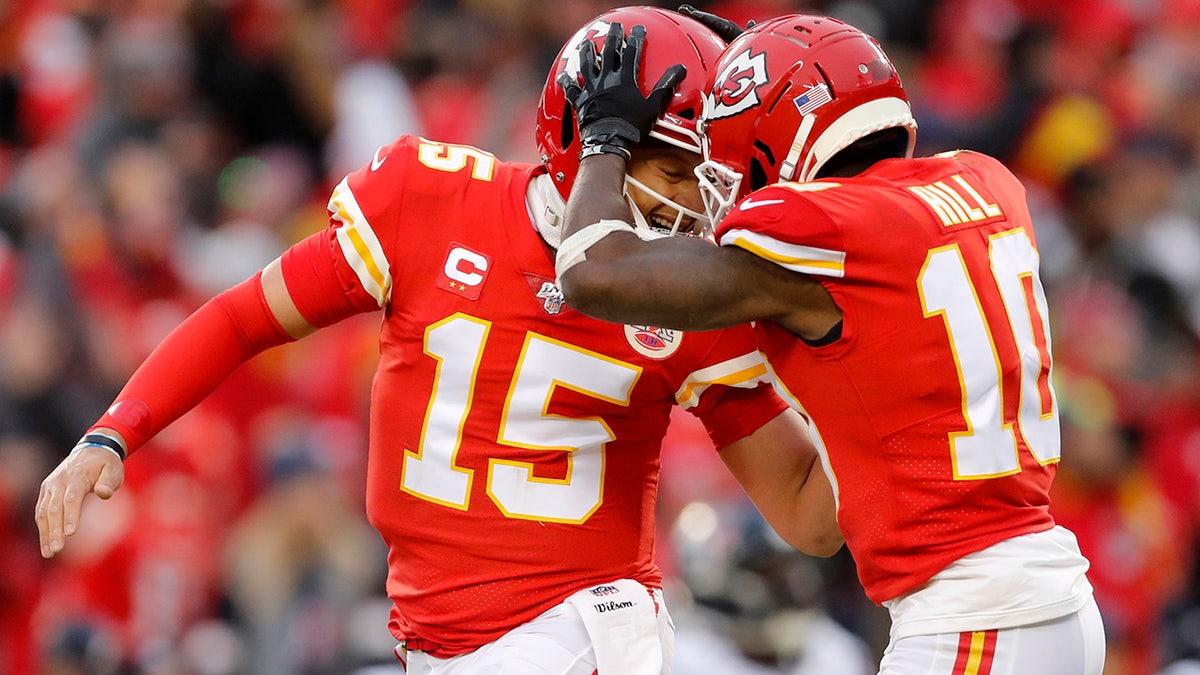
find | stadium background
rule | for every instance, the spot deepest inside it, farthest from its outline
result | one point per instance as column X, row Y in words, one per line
column 154, row 152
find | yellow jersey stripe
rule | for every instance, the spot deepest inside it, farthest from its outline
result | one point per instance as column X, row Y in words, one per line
column 359, row 245
column 806, row 259
column 743, row 371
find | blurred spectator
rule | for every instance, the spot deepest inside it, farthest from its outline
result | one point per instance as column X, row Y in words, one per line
column 23, row 457
column 373, row 106
column 151, row 153
column 980, row 98
column 1126, row 526
column 745, row 603
column 1162, row 236
column 298, row 560
column 1101, row 211
column 47, row 54
column 757, row 605
column 485, row 95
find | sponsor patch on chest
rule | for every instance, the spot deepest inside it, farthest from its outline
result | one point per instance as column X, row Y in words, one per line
column 652, row 341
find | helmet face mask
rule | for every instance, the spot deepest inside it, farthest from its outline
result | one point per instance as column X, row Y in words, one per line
column 672, row 38
column 787, row 96
column 720, row 187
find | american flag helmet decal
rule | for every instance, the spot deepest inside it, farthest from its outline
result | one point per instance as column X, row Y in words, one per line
column 814, row 97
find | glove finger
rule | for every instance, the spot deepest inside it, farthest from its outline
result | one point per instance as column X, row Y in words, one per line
column 671, row 79
column 703, row 17
column 610, row 57
column 665, row 89
column 571, row 89
column 660, row 97
column 587, row 62
column 723, row 27
column 631, row 60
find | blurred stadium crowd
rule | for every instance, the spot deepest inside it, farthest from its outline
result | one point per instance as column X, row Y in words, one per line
column 155, row 152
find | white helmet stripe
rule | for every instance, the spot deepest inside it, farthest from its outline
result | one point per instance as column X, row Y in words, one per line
column 866, row 119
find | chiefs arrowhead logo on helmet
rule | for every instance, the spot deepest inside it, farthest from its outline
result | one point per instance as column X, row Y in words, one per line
column 736, row 87
column 596, row 32
column 675, row 38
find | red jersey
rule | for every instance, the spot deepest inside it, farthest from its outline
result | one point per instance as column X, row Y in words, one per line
column 934, row 408
column 514, row 442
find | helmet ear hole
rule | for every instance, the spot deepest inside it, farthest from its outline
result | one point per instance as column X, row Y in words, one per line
column 762, row 165
column 568, row 126
column 758, row 175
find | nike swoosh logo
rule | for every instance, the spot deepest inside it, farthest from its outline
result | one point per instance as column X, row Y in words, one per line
column 751, row 204
column 376, row 162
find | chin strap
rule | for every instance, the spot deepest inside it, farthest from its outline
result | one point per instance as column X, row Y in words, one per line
column 546, row 209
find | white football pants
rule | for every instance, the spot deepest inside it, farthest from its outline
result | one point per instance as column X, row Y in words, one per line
column 1071, row 645
column 555, row 643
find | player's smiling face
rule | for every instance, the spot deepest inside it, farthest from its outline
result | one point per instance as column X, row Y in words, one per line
column 667, row 170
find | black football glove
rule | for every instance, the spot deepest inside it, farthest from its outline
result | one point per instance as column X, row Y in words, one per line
column 723, row 27
column 613, row 114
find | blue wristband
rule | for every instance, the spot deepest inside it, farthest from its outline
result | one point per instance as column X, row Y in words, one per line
column 101, row 441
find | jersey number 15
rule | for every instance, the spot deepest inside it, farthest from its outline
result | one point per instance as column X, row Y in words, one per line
column 545, row 364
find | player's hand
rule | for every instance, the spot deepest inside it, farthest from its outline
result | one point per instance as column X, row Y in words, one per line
column 87, row 470
column 723, row 27
column 613, row 114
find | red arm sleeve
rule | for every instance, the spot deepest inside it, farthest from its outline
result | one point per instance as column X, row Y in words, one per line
column 225, row 333
column 192, row 360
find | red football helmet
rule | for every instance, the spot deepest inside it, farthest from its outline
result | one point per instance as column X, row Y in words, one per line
column 671, row 38
column 788, row 95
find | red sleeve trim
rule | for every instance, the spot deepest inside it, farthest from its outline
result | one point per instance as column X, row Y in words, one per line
column 740, row 412
column 310, row 271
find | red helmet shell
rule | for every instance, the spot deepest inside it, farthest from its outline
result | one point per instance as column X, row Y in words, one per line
column 671, row 38
column 791, row 92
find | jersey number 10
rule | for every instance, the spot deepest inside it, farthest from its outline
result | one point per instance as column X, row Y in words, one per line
column 988, row 447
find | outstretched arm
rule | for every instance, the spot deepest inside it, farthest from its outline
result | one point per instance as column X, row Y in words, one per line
column 188, row 365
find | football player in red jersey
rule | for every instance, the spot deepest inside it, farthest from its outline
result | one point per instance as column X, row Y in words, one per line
column 898, row 302
column 514, row 442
